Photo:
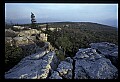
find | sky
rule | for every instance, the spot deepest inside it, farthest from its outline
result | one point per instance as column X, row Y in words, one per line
column 106, row 14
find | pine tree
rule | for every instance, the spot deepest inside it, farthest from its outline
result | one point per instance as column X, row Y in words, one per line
column 33, row 21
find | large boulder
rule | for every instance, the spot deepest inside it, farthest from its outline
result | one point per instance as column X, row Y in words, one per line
column 20, row 40
column 91, row 65
column 31, row 68
column 28, row 32
column 65, row 68
column 55, row 62
column 109, row 50
column 88, row 53
column 37, row 55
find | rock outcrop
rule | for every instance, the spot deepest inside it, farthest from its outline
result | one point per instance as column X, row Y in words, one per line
column 10, row 33
column 29, row 32
column 24, row 37
column 36, row 66
column 91, row 65
column 55, row 75
column 109, row 50
column 20, row 40
column 88, row 63
column 65, row 69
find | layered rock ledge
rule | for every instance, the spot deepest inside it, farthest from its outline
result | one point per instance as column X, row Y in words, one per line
column 35, row 66
column 97, row 62
column 91, row 65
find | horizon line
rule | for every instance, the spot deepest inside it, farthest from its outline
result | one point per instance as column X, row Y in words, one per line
column 64, row 22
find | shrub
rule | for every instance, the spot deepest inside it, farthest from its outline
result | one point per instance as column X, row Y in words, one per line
column 60, row 55
column 13, row 55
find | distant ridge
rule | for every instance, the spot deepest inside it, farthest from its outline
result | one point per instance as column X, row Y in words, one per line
column 67, row 22
column 26, row 21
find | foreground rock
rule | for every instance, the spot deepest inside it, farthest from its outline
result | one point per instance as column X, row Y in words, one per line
column 55, row 75
column 91, row 65
column 109, row 50
column 54, row 63
column 32, row 67
column 65, row 68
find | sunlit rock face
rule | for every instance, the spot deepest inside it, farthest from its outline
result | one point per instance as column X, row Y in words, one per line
column 24, row 37
column 96, row 62
column 29, row 32
column 35, row 66
column 91, row 65
column 109, row 50
column 88, row 53
column 43, row 37
column 105, row 48
column 65, row 69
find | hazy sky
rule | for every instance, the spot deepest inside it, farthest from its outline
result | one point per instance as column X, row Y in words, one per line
column 53, row 12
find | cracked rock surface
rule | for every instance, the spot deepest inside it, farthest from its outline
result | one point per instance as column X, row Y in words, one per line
column 32, row 67
column 93, row 66
column 97, row 62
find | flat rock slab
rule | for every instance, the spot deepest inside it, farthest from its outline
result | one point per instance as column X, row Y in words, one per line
column 29, row 68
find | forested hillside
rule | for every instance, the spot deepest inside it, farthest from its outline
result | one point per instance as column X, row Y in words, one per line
column 75, row 35
column 65, row 41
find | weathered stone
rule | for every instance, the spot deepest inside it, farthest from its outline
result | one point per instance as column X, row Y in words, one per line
column 104, row 47
column 18, row 27
column 79, row 72
column 92, row 58
column 109, row 50
column 28, row 32
column 55, row 62
column 93, row 67
column 31, row 38
column 65, row 69
column 87, row 53
column 24, row 70
column 37, row 55
column 43, row 37
column 31, row 69
column 89, row 64
column 20, row 40
column 98, row 56
column 49, row 57
column 99, row 69
column 55, row 75
column 68, row 59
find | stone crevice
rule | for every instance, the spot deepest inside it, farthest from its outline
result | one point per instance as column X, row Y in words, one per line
column 86, row 64
column 73, row 70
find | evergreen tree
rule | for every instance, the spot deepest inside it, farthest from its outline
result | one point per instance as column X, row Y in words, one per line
column 33, row 21
column 63, row 43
